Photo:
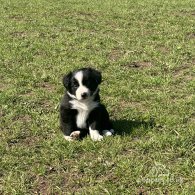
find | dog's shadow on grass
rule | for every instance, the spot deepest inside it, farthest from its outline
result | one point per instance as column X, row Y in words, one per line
column 126, row 127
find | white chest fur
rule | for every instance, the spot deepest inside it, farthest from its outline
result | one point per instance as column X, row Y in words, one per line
column 81, row 118
column 83, row 107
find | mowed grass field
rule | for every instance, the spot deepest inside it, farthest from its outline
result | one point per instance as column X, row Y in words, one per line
column 146, row 53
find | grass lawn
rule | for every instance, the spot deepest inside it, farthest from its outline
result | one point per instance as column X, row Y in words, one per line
column 145, row 50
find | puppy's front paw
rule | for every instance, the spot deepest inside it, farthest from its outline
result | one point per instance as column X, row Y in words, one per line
column 96, row 137
column 68, row 138
column 75, row 134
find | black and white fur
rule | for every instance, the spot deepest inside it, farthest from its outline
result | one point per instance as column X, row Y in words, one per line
column 81, row 112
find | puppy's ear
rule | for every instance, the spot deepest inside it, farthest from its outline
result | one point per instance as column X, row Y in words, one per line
column 97, row 75
column 66, row 80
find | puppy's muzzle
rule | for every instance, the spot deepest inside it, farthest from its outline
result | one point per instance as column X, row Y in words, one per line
column 84, row 95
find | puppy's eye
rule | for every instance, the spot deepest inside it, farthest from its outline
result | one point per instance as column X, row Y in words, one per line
column 86, row 83
column 75, row 83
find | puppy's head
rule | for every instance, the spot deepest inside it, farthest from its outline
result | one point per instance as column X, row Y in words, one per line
column 83, row 83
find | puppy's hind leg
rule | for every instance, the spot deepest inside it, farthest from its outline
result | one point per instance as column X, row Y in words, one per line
column 112, row 131
column 108, row 132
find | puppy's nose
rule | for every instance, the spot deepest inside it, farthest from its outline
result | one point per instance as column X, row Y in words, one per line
column 84, row 95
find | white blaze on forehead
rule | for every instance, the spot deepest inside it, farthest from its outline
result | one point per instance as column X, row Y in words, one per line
column 79, row 77
column 81, row 89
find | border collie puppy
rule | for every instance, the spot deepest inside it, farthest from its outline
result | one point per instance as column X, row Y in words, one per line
column 81, row 112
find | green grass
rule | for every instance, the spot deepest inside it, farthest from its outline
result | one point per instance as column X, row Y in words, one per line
column 146, row 52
